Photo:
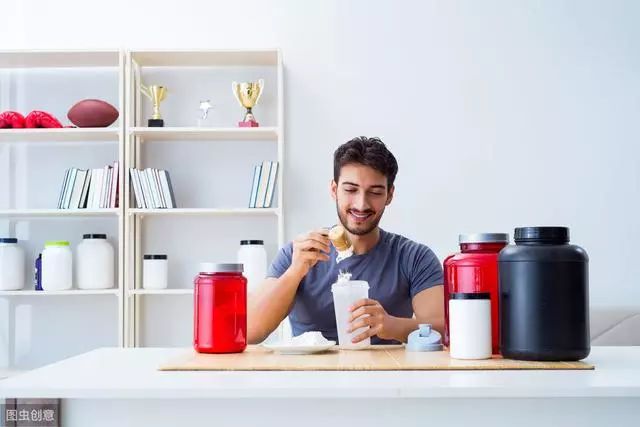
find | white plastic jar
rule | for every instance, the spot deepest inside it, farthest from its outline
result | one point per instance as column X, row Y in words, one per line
column 11, row 265
column 470, row 326
column 57, row 266
column 253, row 257
column 155, row 272
column 95, row 262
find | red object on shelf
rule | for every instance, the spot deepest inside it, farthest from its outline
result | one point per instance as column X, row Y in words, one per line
column 11, row 120
column 249, row 124
column 41, row 119
column 220, row 309
column 474, row 270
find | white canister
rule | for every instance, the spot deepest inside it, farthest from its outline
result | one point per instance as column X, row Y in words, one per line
column 57, row 266
column 470, row 325
column 253, row 257
column 155, row 272
column 95, row 262
column 11, row 265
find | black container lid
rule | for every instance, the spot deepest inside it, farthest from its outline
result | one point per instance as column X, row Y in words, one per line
column 251, row 242
column 470, row 295
column 557, row 235
column 94, row 236
column 8, row 240
column 155, row 256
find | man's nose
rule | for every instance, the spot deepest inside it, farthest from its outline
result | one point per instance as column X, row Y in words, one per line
column 360, row 202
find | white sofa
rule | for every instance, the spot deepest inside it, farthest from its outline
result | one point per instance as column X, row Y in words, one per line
column 615, row 326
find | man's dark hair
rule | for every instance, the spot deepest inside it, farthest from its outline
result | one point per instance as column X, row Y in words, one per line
column 369, row 152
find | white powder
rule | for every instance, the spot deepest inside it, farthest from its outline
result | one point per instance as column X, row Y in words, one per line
column 309, row 338
column 344, row 254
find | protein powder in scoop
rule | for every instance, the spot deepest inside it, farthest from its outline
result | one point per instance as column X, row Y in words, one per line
column 340, row 239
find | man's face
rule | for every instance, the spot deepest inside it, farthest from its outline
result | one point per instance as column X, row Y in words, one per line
column 361, row 194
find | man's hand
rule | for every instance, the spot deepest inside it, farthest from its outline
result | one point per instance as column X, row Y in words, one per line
column 308, row 249
column 369, row 312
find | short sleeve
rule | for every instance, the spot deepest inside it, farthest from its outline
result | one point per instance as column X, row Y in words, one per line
column 281, row 262
column 422, row 268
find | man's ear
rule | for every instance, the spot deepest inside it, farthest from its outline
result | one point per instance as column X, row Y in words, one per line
column 333, row 189
column 390, row 195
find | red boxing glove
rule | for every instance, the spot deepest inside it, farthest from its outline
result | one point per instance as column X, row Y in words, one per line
column 41, row 119
column 11, row 120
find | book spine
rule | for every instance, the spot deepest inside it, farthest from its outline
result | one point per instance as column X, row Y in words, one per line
column 62, row 188
column 262, row 187
column 114, row 185
column 171, row 193
column 273, row 176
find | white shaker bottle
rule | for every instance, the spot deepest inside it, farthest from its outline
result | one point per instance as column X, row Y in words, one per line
column 253, row 257
column 95, row 263
column 470, row 325
column 11, row 265
column 346, row 293
column 57, row 266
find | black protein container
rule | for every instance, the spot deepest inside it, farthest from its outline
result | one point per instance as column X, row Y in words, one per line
column 544, row 296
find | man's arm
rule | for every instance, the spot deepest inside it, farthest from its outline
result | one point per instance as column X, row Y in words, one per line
column 272, row 302
column 427, row 306
column 269, row 305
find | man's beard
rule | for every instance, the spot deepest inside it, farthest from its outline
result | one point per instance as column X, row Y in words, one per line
column 356, row 231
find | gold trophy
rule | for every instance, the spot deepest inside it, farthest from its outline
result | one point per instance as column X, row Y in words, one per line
column 248, row 94
column 156, row 95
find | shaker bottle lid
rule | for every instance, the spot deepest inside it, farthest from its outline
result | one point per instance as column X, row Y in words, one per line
column 221, row 268
column 542, row 234
column 55, row 243
column 251, row 242
column 154, row 256
column 8, row 240
column 94, row 236
column 470, row 295
column 424, row 339
column 484, row 238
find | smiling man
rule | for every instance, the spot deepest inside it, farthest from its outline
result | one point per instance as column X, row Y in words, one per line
column 405, row 277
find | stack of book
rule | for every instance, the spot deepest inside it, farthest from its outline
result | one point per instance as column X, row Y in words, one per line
column 264, row 184
column 90, row 188
column 152, row 188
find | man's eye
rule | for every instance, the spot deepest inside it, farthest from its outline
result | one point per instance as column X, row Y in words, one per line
column 350, row 190
column 376, row 194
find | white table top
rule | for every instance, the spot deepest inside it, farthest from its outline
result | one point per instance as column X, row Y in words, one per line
column 114, row 373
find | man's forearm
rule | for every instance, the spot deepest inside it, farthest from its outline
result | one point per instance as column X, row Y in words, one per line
column 270, row 305
column 401, row 327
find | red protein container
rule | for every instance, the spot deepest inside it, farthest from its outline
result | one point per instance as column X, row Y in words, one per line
column 475, row 270
column 220, row 309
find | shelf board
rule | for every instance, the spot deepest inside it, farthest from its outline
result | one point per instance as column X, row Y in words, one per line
column 161, row 292
column 205, row 58
column 60, row 135
column 178, row 134
column 204, row 211
column 31, row 292
column 33, row 213
column 59, row 58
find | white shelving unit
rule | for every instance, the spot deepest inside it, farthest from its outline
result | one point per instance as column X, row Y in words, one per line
column 208, row 72
column 229, row 153
column 25, row 77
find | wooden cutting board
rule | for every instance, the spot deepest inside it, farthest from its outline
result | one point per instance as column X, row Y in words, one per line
column 375, row 358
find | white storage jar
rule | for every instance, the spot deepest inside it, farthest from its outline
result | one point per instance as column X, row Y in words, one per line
column 95, row 262
column 11, row 265
column 57, row 266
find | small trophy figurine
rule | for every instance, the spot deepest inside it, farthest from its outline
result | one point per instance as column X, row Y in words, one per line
column 248, row 94
column 156, row 94
column 205, row 106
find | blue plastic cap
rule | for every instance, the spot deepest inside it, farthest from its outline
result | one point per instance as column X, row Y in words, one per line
column 424, row 339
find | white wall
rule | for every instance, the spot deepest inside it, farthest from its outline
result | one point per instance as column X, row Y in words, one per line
column 500, row 113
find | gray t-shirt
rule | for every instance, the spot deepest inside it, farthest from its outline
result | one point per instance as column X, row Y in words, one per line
column 396, row 268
